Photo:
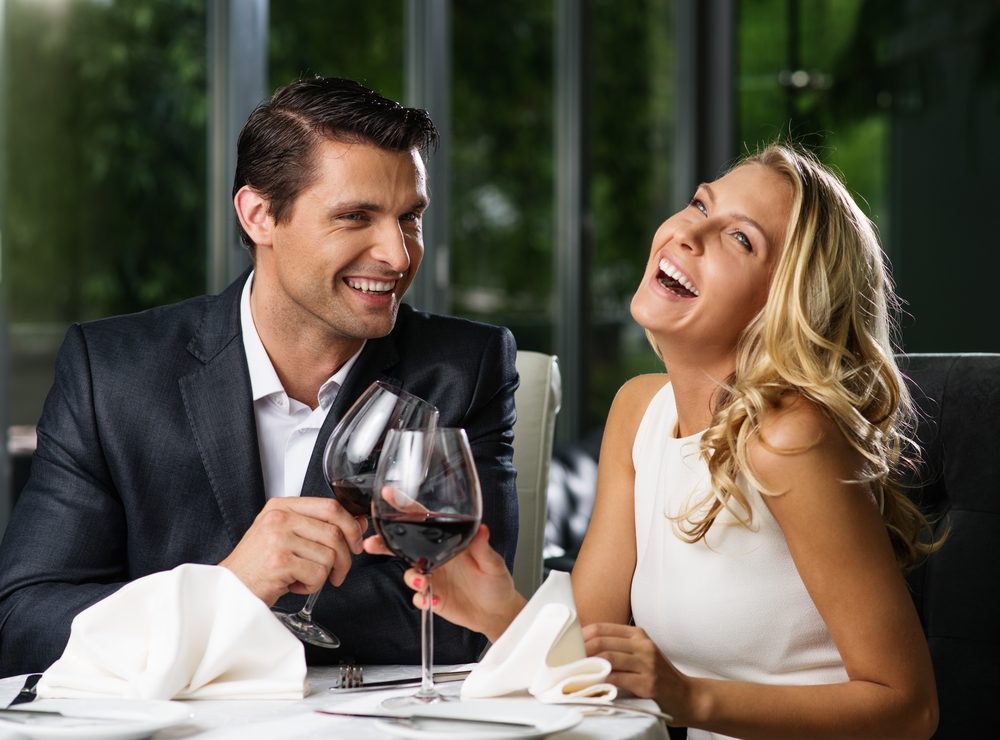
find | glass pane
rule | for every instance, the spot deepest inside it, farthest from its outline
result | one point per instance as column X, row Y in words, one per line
column 502, row 159
column 903, row 99
column 362, row 41
column 103, row 195
column 631, row 133
column 796, row 64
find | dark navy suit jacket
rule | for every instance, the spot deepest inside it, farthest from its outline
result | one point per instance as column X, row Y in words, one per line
column 147, row 458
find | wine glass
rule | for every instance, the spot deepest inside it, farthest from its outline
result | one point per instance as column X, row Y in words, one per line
column 427, row 506
column 349, row 463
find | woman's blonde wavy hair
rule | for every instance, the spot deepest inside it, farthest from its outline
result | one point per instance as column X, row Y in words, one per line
column 824, row 333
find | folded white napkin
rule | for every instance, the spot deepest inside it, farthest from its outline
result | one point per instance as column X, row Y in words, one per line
column 542, row 651
column 194, row 632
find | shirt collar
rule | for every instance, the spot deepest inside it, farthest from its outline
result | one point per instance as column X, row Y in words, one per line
column 264, row 380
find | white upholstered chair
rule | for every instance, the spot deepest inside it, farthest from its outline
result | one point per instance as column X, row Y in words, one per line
column 537, row 400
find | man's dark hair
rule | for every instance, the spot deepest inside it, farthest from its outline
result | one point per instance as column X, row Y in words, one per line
column 275, row 154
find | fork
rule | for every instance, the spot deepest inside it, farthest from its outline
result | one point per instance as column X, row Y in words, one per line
column 351, row 680
column 351, row 677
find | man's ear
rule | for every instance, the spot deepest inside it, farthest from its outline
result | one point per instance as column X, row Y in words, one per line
column 254, row 215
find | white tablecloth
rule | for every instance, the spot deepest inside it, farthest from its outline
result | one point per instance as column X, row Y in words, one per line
column 297, row 720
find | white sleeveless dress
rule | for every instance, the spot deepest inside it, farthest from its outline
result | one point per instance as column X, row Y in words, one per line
column 731, row 606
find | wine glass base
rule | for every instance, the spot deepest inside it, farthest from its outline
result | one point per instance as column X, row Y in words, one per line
column 307, row 630
column 414, row 700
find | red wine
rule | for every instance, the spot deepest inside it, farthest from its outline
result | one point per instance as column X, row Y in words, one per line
column 355, row 493
column 427, row 541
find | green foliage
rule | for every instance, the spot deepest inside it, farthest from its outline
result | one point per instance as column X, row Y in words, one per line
column 502, row 165
column 362, row 41
column 105, row 108
column 837, row 114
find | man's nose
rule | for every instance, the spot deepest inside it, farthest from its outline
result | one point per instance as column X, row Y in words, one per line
column 390, row 247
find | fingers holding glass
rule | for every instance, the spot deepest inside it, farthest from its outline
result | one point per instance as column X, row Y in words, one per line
column 349, row 462
column 427, row 509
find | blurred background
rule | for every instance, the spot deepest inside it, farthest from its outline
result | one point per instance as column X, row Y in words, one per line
column 571, row 129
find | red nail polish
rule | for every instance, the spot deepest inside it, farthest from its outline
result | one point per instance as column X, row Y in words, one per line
column 418, row 582
column 435, row 601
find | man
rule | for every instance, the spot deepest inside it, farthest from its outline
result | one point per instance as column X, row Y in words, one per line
column 186, row 433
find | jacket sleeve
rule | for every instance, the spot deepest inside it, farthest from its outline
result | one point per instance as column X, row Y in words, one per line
column 64, row 545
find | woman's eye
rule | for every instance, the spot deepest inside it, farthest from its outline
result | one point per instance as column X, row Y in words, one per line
column 697, row 203
column 742, row 239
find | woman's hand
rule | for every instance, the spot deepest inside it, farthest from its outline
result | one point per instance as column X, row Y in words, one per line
column 639, row 667
column 473, row 590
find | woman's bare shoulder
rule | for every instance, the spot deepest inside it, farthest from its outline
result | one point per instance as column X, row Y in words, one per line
column 627, row 410
column 634, row 396
column 795, row 435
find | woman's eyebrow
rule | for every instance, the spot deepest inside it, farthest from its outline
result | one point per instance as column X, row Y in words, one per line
column 737, row 215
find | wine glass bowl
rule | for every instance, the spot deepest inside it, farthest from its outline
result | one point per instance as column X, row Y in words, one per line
column 352, row 452
column 427, row 541
column 350, row 459
column 427, row 506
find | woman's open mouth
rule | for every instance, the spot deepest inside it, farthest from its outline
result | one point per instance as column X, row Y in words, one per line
column 671, row 278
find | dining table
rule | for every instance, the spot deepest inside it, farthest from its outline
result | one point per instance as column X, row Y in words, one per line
column 300, row 719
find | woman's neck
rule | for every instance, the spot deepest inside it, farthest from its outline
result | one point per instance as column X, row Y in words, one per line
column 695, row 388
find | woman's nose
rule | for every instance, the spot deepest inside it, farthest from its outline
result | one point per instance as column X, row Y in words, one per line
column 691, row 236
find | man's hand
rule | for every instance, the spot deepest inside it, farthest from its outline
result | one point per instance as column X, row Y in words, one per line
column 294, row 545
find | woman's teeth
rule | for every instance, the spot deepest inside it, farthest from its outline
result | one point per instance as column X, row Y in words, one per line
column 676, row 276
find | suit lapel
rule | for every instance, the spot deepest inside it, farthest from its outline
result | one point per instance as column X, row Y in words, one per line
column 219, row 405
column 376, row 362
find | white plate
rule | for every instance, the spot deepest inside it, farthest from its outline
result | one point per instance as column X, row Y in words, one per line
column 133, row 719
column 547, row 719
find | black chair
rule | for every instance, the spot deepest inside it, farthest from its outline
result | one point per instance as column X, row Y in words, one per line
column 957, row 590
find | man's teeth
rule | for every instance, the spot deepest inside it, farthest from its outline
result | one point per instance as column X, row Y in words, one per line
column 670, row 271
column 371, row 286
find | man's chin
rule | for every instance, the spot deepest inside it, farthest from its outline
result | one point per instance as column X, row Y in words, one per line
column 372, row 327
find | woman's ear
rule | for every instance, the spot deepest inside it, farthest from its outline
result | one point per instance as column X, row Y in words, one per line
column 254, row 215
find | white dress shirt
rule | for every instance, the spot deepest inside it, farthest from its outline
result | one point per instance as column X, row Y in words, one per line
column 286, row 428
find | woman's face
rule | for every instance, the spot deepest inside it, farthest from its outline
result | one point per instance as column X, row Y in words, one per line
column 710, row 265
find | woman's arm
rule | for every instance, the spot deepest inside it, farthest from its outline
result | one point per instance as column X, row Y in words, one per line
column 842, row 552
column 475, row 590
column 602, row 575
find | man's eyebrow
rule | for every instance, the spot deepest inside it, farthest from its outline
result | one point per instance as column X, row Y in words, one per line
column 738, row 216
column 363, row 205
column 347, row 206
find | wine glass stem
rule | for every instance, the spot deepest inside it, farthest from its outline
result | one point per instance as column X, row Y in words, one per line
column 427, row 643
column 306, row 612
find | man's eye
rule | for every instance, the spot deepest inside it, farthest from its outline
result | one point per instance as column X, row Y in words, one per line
column 743, row 239
column 410, row 217
column 697, row 203
column 359, row 216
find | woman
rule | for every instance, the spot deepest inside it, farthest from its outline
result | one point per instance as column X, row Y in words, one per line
column 747, row 520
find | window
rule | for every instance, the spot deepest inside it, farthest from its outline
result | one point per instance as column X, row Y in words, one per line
column 103, row 196
column 903, row 98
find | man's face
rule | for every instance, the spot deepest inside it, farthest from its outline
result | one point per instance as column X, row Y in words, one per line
column 351, row 246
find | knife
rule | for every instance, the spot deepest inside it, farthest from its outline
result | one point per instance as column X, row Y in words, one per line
column 411, row 719
column 50, row 716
